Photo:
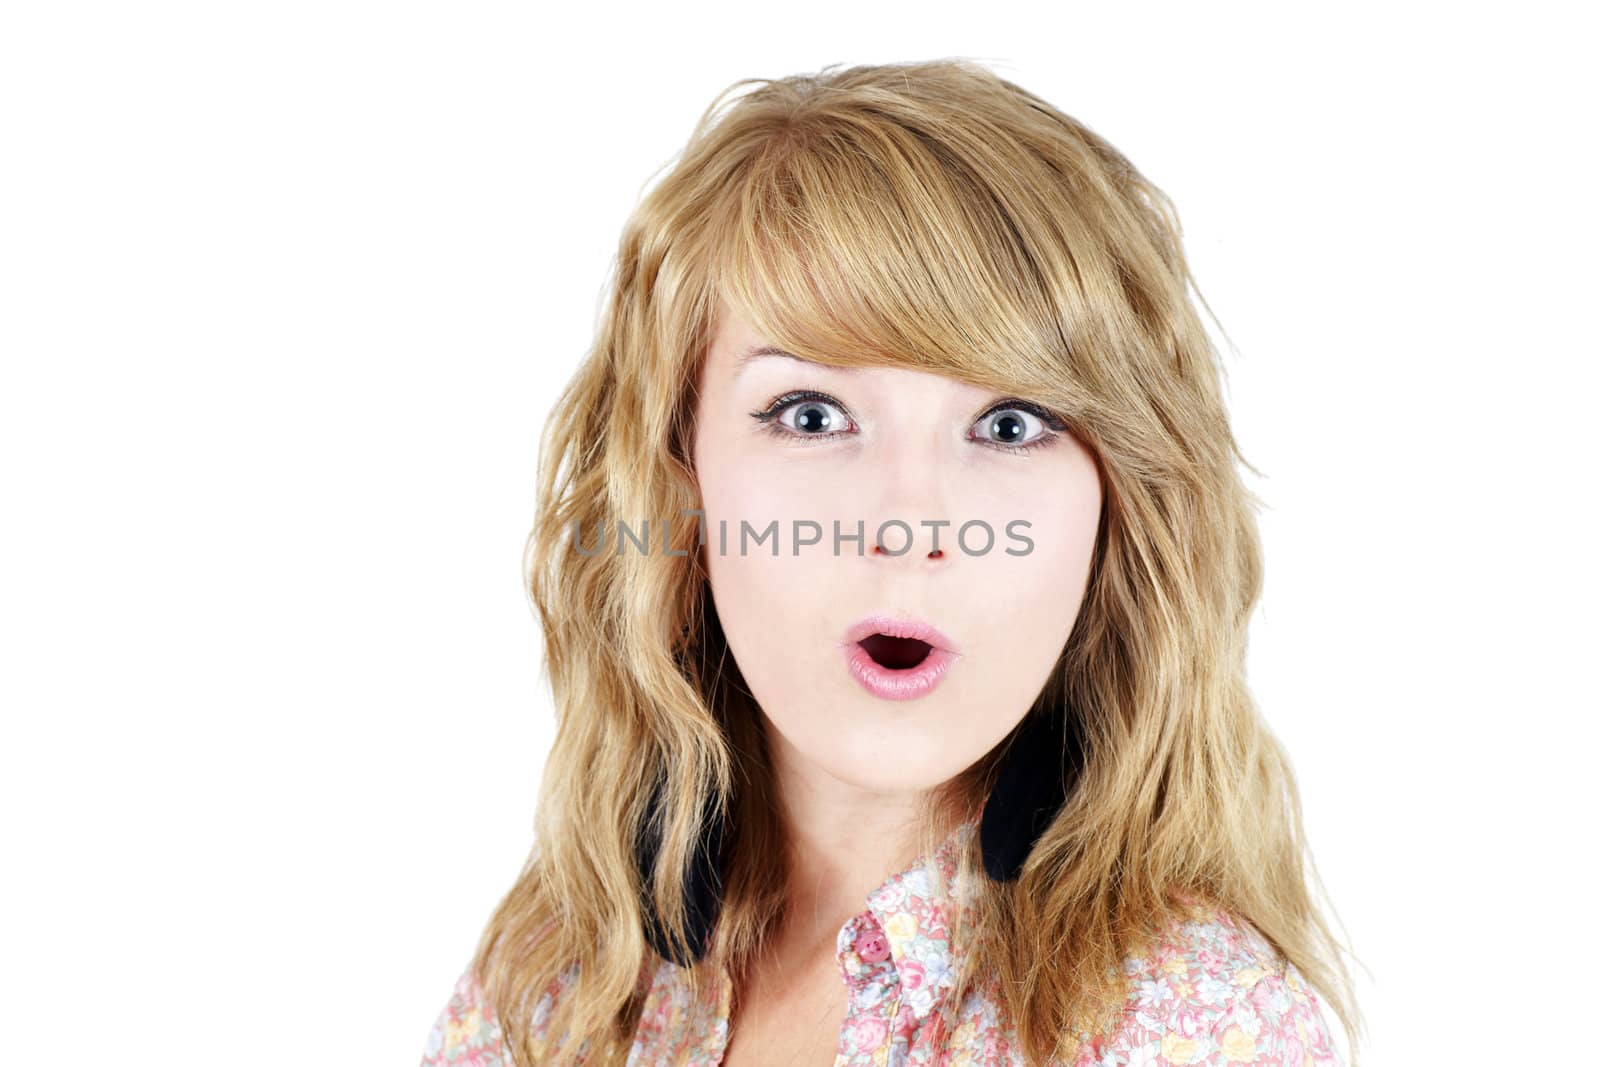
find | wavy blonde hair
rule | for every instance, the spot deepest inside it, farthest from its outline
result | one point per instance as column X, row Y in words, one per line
column 930, row 215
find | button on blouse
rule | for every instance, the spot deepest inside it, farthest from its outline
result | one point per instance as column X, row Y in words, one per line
column 872, row 946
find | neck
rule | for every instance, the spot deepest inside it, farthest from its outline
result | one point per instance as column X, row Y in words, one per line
column 844, row 841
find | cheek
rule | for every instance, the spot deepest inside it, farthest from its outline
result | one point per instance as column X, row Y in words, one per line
column 1028, row 606
column 768, row 604
column 1037, row 593
column 773, row 605
column 753, row 500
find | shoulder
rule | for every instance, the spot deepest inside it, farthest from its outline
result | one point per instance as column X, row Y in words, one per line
column 1211, row 990
column 466, row 1031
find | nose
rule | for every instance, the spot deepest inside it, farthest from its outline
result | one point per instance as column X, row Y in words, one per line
column 913, row 526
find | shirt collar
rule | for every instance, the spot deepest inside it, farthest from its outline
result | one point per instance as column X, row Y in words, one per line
column 919, row 911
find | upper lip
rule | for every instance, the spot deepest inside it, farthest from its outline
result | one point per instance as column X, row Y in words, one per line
column 899, row 626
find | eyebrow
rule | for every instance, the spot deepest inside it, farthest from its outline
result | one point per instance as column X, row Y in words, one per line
column 759, row 351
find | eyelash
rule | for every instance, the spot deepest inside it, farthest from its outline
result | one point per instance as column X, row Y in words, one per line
column 771, row 424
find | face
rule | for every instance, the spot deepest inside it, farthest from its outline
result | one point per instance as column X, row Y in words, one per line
column 862, row 447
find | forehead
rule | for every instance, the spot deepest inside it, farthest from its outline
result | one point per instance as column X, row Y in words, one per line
column 738, row 346
column 739, row 351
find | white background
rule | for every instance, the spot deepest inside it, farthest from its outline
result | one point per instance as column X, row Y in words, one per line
column 287, row 290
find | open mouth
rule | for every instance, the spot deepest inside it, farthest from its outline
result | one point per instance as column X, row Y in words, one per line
column 895, row 653
column 897, row 658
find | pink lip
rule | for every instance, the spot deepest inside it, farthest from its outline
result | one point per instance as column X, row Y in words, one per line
column 900, row 626
column 888, row 684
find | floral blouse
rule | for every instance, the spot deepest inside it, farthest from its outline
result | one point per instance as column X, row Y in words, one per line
column 1210, row 991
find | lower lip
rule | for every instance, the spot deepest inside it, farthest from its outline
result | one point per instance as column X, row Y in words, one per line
column 889, row 684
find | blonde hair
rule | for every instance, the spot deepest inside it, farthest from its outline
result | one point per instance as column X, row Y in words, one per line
column 931, row 215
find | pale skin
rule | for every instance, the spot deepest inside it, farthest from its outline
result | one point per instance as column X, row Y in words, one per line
column 851, row 767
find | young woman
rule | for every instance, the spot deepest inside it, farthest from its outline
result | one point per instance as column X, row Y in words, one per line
column 895, row 571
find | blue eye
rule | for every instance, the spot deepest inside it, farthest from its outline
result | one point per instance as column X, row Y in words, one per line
column 816, row 416
column 813, row 418
column 1012, row 427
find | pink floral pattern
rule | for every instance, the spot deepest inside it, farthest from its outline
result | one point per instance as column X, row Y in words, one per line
column 1211, row 991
